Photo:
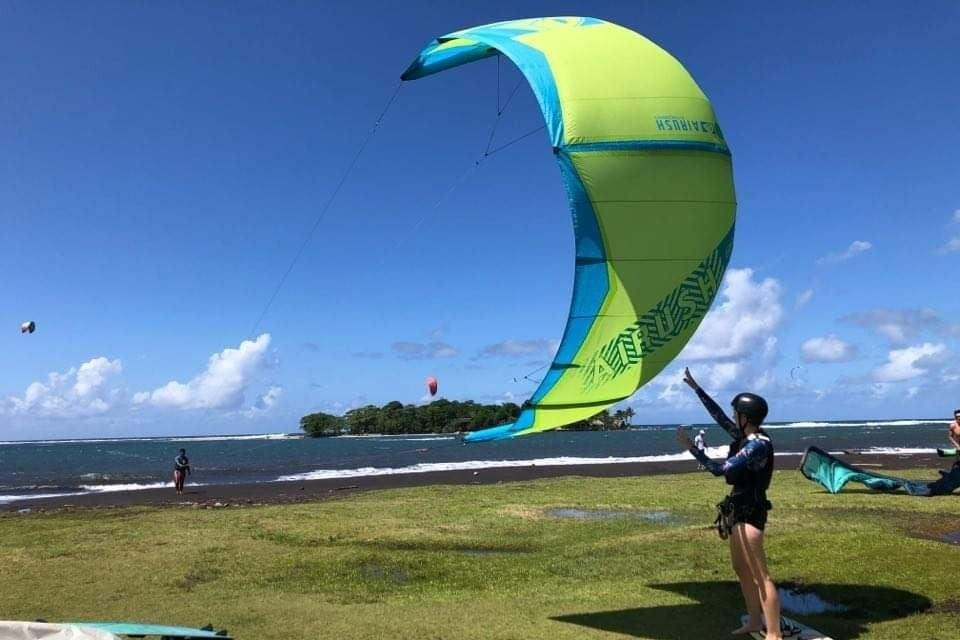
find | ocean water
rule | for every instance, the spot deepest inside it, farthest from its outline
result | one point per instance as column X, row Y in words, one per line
column 65, row 467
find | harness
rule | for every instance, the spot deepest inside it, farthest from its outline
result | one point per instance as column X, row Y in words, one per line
column 730, row 509
column 725, row 518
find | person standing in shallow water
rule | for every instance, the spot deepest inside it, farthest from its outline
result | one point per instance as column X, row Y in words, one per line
column 743, row 514
column 181, row 469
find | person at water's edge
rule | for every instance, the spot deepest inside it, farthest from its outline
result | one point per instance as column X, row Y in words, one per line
column 700, row 444
column 181, row 469
column 954, row 434
column 743, row 514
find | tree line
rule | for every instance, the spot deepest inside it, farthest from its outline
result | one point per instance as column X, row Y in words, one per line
column 440, row 416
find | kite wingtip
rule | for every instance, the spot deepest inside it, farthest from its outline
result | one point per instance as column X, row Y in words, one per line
column 493, row 433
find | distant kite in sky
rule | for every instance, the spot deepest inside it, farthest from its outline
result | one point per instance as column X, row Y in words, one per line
column 28, row 327
column 650, row 182
column 432, row 385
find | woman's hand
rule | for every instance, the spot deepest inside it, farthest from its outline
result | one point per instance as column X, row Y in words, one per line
column 684, row 438
column 688, row 378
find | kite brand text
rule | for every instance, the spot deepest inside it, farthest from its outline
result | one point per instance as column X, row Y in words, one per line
column 676, row 314
column 675, row 123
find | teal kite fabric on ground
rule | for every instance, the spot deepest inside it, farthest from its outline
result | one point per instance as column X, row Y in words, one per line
column 832, row 474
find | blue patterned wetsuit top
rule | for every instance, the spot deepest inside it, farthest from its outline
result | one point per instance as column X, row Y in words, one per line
column 749, row 465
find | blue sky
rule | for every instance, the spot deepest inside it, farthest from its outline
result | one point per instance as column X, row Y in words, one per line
column 163, row 162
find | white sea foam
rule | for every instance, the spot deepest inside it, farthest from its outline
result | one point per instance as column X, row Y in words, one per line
column 879, row 423
column 109, row 488
column 895, row 451
column 323, row 474
column 254, row 436
column 258, row 436
column 402, row 436
column 34, row 496
column 91, row 440
column 88, row 489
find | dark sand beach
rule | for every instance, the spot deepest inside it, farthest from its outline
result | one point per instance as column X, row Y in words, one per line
column 221, row 495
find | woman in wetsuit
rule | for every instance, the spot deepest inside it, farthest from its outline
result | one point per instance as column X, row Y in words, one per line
column 743, row 514
column 181, row 467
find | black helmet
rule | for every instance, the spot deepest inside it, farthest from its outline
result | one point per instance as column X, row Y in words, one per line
column 752, row 406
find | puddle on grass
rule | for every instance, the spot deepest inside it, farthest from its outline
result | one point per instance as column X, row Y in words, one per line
column 397, row 576
column 575, row 513
column 951, row 537
column 806, row 602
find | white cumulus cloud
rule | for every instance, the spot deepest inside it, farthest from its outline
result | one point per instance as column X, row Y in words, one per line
column 78, row 392
column 856, row 248
column 828, row 349
column 743, row 323
column 222, row 385
column 265, row 403
column 732, row 349
column 910, row 362
column 668, row 389
column 900, row 326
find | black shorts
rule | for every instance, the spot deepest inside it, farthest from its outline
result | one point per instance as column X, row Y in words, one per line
column 752, row 513
column 756, row 518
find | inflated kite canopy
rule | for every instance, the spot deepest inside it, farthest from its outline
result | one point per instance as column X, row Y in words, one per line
column 650, row 183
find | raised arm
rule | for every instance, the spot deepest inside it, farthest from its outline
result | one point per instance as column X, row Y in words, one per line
column 712, row 407
column 717, row 414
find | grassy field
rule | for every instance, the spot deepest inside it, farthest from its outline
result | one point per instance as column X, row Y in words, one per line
column 500, row 561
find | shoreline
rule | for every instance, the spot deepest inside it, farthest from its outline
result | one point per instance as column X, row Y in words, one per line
column 297, row 491
column 300, row 435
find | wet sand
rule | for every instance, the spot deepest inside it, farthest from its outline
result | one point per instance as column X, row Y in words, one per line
column 214, row 496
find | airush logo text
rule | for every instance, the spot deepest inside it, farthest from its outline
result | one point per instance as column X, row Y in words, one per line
column 679, row 123
column 679, row 311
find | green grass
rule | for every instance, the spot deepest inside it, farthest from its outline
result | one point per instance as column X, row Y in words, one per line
column 487, row 562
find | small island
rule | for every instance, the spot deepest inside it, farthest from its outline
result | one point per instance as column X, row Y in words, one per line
column 440, row 416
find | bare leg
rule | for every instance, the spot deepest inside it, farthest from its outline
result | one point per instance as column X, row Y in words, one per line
column 758, row 578
column 751, row 595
